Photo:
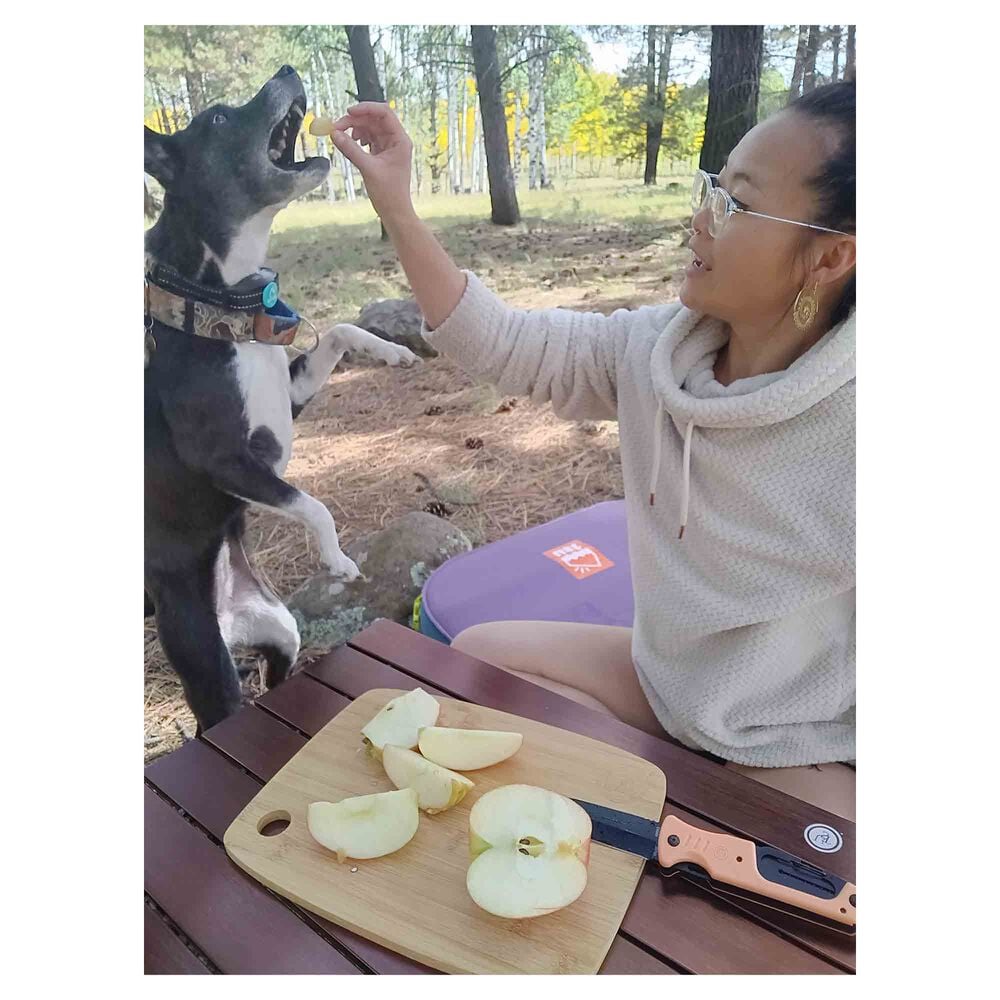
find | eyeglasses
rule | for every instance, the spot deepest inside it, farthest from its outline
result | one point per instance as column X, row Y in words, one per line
column 706, row 193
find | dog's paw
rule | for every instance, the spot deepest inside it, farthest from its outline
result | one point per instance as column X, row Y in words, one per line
column 395, row 355
column 342, row 567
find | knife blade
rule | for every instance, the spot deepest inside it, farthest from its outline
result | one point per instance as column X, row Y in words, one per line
column 730, row 865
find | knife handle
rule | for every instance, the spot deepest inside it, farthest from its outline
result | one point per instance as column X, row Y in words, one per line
column 758, row 869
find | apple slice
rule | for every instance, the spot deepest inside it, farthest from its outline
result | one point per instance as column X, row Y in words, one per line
column 531, row 848
column 366, row 826
column 321, row 125
column 400, row 720
column 437, row 788
column 467, row 749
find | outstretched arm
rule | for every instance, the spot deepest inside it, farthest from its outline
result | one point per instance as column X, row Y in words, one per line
column 559, row 355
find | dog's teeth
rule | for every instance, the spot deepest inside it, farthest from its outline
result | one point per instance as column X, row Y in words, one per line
column 274, row 154
column 281, row 145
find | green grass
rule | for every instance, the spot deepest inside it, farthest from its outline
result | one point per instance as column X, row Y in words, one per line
column 581, row 200
column 332, row 261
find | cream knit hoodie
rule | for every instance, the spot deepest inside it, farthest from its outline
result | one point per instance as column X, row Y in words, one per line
column 743, row 637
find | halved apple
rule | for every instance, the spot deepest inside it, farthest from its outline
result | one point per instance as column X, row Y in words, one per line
column 531, row 848
column 437, row 788
column 366, row 826
column 467, row 749
column 400, row 720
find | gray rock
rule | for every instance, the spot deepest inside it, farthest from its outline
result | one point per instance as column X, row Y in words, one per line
column 395, row 562
column 398, row 321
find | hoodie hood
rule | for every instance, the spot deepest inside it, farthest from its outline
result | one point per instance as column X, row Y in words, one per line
column 681, row 369
column 682, row 363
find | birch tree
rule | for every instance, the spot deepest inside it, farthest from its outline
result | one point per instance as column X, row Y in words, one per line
column 537, row 172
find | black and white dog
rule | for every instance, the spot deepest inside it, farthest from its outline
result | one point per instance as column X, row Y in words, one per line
column 218, row 414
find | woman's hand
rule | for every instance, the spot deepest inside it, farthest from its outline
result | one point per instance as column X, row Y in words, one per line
column 437, row 283
column 386, row 168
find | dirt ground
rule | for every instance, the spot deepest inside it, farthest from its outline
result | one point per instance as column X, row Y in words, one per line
column 367, row 447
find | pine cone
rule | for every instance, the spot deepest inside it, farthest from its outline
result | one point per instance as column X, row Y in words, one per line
column 437, row 508
column 433, row 411
column 473, row 442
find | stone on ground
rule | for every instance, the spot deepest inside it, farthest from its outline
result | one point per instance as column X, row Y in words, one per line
column 398, row 321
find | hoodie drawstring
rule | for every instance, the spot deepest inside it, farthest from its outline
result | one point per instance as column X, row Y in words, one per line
column 657, row 449
column 655, row 475
column 686, row 482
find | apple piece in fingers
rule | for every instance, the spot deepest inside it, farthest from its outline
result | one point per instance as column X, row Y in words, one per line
column 530, row 850
column 400, row 721
column 437, row 788
column 366, row 826
column 467, row 749
column 321, row 125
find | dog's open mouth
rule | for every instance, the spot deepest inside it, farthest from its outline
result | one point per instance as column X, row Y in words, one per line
column 281, row 145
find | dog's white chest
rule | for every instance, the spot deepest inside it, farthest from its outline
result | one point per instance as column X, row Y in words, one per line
column 262, row 374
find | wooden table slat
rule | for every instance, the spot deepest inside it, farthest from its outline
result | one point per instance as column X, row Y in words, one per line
column 315, row 704
column 256, row 741
column 664, row 914
column 627, row 959
column 202, row 781
column 708, row 789
column 165, row 953
column 353, row 673
column 239, row 925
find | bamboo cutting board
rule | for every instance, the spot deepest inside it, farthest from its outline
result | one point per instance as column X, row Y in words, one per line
column 415, row 901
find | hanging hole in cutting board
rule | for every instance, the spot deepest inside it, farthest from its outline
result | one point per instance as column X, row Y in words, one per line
column 274, row 823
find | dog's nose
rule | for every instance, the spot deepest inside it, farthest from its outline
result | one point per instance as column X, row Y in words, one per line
column 285, row 70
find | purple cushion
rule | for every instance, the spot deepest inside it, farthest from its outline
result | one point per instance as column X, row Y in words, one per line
column 537, row 575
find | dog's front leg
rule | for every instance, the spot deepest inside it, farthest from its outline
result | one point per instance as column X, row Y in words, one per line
column 309, row 372
column 247, row 478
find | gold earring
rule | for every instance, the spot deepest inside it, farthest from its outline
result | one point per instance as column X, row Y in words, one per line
column 806, row 307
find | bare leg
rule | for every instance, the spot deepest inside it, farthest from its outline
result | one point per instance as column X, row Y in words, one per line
column 594, row 662
column 829, row 786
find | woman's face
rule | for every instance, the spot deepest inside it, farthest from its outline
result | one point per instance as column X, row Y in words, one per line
column 752, row 272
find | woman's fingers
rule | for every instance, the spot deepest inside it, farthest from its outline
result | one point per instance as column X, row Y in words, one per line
column 373, row 109
column 361, row 158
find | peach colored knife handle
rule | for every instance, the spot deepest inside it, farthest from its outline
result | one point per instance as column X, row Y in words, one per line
column 733, row 861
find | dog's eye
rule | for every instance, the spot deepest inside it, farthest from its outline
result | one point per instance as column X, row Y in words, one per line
column 219, row 119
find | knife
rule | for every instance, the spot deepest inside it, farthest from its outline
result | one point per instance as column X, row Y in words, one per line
column 723, row 863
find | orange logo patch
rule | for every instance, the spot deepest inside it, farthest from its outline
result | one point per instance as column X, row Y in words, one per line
column 579, row 559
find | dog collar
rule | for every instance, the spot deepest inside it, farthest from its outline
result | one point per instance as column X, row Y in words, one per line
column 250, row 310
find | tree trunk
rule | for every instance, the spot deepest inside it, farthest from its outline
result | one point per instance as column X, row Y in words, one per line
column 849, row 69
column 365, row 72
column 333, row 108
column 812, row 49
column 503, row 197
column 449, row 89
column 517, row 134
column 536, row 112
column 312, row 98
column 800, row 60
column 733, row 90
column 462, row 137
column 435, row 157
column 654, row 124
column 835, row 34
column 652, row 138
column 475, row 152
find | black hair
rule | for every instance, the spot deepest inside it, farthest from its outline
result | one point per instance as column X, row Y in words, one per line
column 834, row 106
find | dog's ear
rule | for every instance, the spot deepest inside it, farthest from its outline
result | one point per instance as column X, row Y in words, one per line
column 163, row 158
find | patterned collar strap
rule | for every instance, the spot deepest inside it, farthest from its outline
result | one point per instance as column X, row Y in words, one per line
column 199, row 318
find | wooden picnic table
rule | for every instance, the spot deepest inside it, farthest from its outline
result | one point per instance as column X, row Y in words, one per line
column 205, row 915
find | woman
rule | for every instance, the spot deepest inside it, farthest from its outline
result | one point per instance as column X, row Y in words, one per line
column 736, row 414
